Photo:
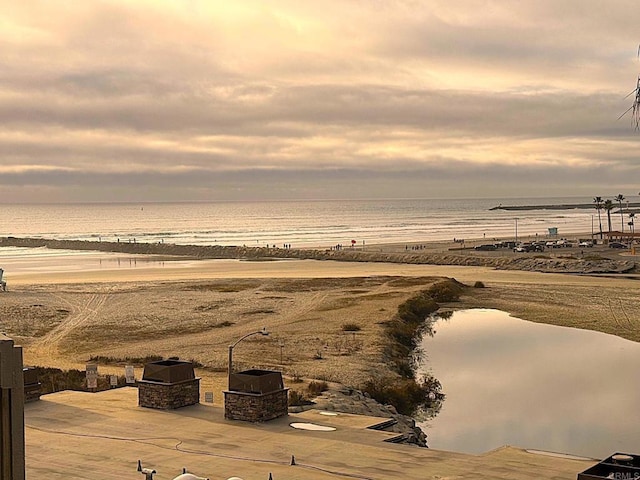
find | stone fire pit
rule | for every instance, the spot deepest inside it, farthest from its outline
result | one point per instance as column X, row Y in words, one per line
column 256, row 396
column 168, row 384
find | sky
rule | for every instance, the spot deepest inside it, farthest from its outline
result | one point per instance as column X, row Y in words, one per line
column 158, row 100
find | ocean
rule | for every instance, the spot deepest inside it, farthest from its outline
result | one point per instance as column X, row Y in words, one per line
column 298, row 223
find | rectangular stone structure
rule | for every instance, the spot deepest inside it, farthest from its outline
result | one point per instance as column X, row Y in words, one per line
column 256, row 381
column 256, row 407
column 168, row 384
column 256, row 396
column 12, row 466
column 168, row 396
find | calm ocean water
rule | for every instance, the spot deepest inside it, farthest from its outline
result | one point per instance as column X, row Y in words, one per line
column 299, row 223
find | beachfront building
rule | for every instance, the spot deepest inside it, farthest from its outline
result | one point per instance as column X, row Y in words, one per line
column 625, row 237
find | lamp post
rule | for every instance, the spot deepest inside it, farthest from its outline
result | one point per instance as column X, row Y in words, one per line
column 259, row 332
column 516, row 229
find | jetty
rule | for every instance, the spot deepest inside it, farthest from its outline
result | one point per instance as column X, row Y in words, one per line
column 559, row 206
column 463, row 258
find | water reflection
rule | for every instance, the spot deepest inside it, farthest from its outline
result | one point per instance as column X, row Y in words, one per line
column 39, row 260
column 508, row 381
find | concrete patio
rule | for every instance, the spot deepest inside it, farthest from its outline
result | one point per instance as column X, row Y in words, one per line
column 102, row 435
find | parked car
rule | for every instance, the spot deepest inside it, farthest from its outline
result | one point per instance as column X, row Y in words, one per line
column 585, row 244
column 617, row 245
column 529, row 247
column 487, row 247
column 538, row 247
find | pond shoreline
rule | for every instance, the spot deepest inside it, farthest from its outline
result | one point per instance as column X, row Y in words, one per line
column 495, row 386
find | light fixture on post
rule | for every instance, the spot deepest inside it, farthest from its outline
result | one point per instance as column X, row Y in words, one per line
column 254, row 395
column 264, row 332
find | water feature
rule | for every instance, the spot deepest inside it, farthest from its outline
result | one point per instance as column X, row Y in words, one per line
column 512, row 382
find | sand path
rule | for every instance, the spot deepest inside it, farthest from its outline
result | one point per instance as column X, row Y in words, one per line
column 82, row 311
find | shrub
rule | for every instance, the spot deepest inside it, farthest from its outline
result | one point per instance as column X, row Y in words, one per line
column 478, row 284
column 316, row 388
column 406, row 395
column 296, row 399
column 296, row 377
column 416, row 309
column 445, row 291
column 402, row 332
column 138, row 361
column 351, row 327
column 404, row 367
column 225, row 323
column 55, row 380
column 414, row 318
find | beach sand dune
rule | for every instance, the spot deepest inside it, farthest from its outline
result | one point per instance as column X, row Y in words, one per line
column 194, row 309
column 195, row 312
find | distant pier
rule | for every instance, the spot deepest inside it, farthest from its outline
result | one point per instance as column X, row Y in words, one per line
column 562, row 206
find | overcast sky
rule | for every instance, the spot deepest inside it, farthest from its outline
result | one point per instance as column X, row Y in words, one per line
column 247, row 100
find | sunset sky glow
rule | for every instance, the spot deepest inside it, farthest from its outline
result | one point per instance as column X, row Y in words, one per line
column 158, row 100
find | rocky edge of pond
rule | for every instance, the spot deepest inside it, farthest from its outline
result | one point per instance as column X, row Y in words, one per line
column 536, row 263
column 349, row 400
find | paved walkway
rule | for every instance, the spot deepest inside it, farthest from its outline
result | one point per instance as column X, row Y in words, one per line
column 102, row 435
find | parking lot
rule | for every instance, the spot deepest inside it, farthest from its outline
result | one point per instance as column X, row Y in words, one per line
column 562, row 247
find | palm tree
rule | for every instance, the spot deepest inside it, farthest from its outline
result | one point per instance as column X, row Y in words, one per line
column 632, row 225
column 598, row 203
column 620, row 198
column 607, row 206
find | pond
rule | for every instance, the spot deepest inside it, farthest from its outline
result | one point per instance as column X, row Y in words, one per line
column 512, row 382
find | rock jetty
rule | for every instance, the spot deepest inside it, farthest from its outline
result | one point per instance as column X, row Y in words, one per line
column 538, row 263
column 559, row 206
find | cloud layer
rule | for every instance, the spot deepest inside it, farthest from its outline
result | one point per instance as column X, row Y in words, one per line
column 205, row 100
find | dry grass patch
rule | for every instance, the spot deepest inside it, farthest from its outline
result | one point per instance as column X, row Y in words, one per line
column 225, row 286
column 339, row 303
column 259, row 311
column 200, row 320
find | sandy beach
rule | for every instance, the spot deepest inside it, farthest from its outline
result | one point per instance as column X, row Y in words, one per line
column 68, row 308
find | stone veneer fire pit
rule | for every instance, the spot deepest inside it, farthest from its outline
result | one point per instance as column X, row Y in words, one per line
column 256, row 396
column 168, row 384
